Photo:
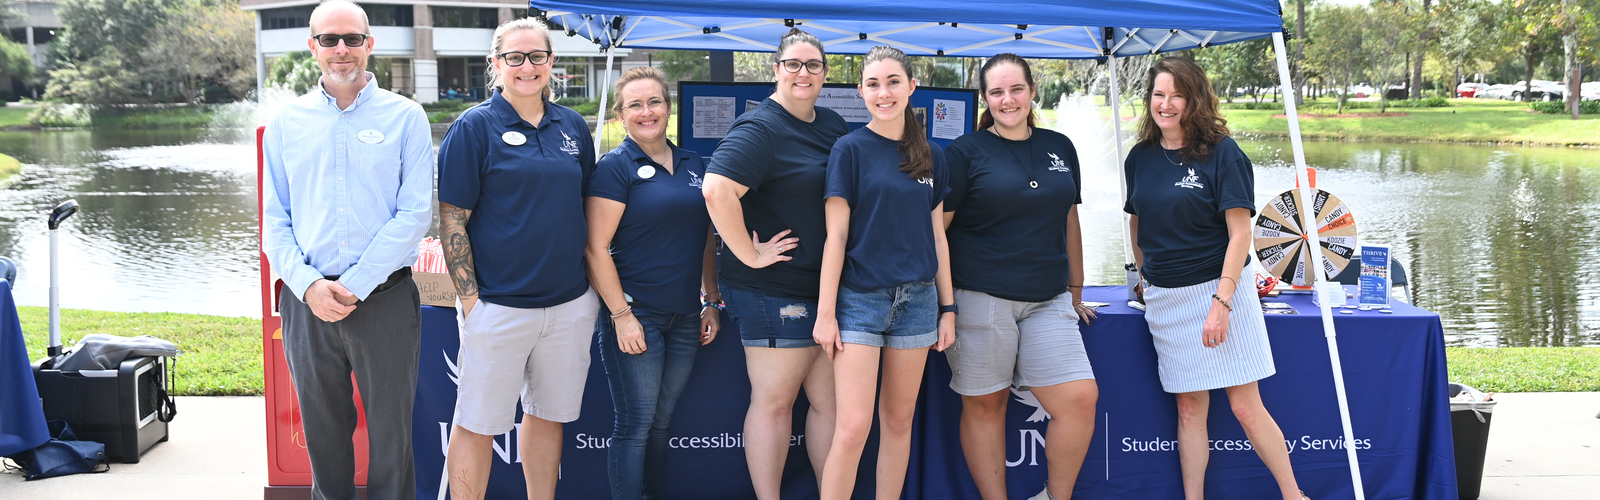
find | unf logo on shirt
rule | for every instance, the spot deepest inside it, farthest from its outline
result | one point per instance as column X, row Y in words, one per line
column 1190, row 181
column 1057, row 164
column 694, row 181
column 926, row 180
column 568, row 144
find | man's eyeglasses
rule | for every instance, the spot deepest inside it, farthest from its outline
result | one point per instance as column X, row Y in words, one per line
column 514, row 58
column 352, row 40
column 655, row 103
column 813, row 66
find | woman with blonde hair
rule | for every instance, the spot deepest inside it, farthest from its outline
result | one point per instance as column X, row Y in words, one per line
column 512, row 174
column 651, row 254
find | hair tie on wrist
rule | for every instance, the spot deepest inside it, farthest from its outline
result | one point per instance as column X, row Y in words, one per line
column 619, row 314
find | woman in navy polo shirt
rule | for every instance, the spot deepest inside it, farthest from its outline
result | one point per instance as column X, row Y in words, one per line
column 764, row 192
column 511, row 181
column 1191, row 193
column 649, row 243
column 1017, row 261
column 884, row 253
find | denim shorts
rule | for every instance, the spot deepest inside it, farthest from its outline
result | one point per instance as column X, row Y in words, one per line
column 902, row 317
column 768, row 320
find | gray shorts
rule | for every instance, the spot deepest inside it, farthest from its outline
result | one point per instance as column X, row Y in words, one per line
column 540, row 355
column 1005, row 343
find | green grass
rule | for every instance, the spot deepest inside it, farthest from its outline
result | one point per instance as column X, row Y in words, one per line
column 221, row 355
column 152, row 118
column 10, row 116
column 1526, row 369
column 1466, row 120
column 8, row 167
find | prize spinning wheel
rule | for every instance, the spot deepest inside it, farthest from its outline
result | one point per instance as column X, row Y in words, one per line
column 1281, row 237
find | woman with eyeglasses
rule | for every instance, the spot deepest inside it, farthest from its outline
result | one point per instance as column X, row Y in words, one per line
column 1191, row 193
column 764, row 188
column 885, row 272
column 512, row 175
column 651, row 254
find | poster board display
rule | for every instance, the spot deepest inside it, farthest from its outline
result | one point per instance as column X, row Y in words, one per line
column 706, row 110
column 1374, row 276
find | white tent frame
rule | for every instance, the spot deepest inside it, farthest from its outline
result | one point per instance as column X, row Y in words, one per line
column 1328, row 292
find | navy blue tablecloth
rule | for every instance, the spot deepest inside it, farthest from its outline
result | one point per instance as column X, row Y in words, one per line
column 1394, row 369
column 22, row 425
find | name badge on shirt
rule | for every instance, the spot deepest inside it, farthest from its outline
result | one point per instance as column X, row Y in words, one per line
column 646, row 172
column 514, row 138
column 370, row 136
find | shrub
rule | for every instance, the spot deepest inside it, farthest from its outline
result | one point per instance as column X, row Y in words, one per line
column 1429, row 102
column 1560, row 108
column 60, row 114
column 440, row 116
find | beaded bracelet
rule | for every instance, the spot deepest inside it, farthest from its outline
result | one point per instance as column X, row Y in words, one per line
column 1223, row 302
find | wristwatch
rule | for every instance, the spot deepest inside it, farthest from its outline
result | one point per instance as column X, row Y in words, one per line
column 948, row 309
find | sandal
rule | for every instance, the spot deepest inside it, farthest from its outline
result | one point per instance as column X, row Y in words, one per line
column 1303, row 495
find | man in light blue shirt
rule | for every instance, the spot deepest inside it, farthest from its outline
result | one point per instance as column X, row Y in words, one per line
column 347, row 196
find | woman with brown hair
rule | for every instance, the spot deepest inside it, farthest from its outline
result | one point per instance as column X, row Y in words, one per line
column 1016, row 255
column 1191, row 197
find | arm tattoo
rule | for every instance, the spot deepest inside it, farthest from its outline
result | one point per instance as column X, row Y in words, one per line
column 458, row 249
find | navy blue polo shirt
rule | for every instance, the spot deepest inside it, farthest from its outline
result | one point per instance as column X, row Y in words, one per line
column 660, row 242
column 1007, row 239
column 783, row 161
column 1183, row 232
column 527, row 228
column 891, row 215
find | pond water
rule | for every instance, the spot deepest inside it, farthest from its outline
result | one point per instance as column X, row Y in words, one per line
column 1502, row 242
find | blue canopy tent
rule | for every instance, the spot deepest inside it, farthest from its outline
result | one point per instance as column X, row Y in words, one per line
column 1057, row 29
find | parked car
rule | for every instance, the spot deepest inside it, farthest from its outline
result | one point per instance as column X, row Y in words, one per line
column 1362, row 91
column 1501, row 91
column 1542, row 90
column 1470, row 89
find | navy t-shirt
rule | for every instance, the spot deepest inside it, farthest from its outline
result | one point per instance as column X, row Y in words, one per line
column 660, row 242
column 891, row 223
column 1183, row 232
column 1007, row 239
column 783, row 161
column 527, row 228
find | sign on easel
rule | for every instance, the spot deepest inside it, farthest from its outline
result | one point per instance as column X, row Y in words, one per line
column 1374, row 276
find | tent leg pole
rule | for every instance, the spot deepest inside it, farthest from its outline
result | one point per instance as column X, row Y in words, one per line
column 1303, row 176
column 1122, row 178
column 600, row 114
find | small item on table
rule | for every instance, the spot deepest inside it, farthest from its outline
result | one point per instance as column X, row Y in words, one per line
column 1276, row 305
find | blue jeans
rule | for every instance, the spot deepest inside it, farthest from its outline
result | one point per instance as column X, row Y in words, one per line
column 644, row 390
column 902, row 317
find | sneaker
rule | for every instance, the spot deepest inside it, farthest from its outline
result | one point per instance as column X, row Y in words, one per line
column 1043, row 495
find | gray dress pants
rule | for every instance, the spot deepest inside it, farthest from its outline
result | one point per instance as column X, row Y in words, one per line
column 378, row 342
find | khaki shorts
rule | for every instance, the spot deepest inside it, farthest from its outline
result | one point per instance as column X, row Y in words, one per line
column 1004, row 343
column 540, row 355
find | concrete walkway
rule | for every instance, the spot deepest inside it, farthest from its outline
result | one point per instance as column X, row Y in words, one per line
column 1541, row 445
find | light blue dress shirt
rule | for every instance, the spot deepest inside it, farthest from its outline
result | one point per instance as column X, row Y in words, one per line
column 348, row 192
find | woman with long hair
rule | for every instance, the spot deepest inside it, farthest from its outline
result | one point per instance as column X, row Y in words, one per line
column 1016, row 254
column 763, row 189
column 1191, row 194
column 885, row 272
column 651, row 255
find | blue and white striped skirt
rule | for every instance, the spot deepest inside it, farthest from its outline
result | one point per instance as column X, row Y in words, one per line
column 1176, row 317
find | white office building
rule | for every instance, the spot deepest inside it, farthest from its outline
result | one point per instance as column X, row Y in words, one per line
column 431, row 47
